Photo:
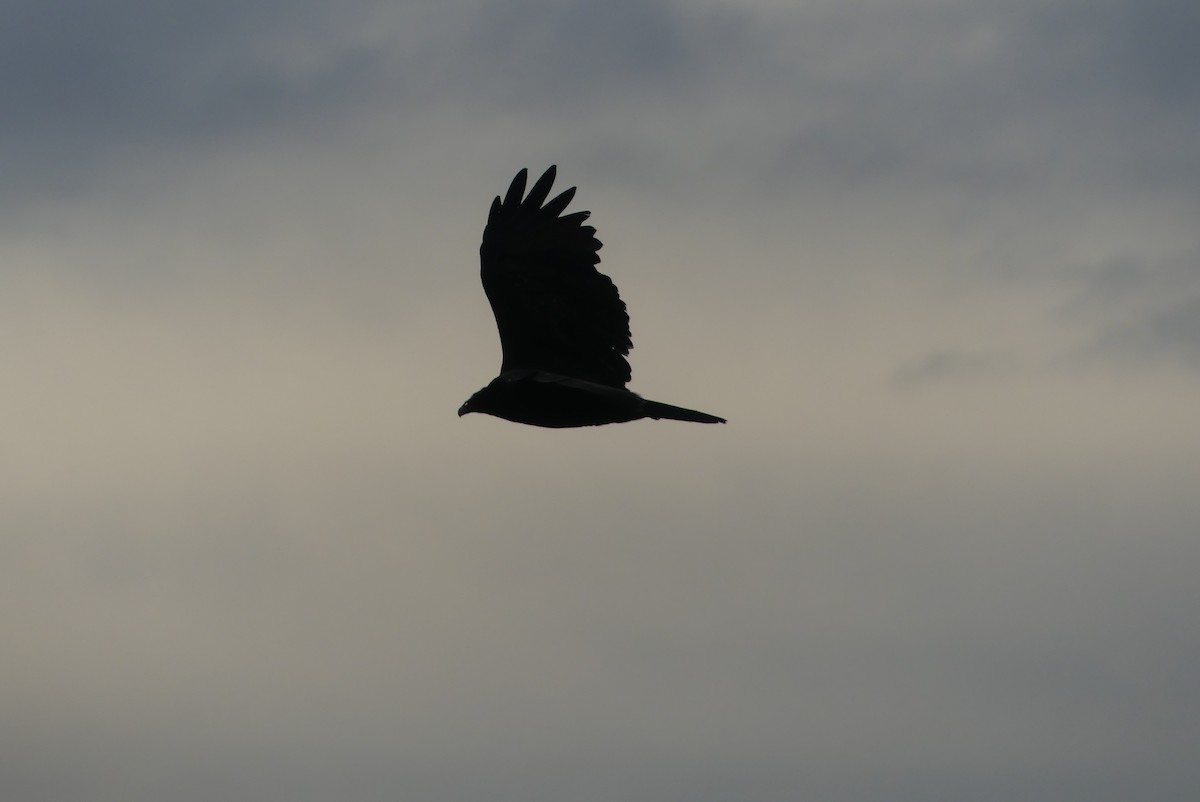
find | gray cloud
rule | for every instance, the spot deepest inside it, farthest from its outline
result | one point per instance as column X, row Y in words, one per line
column 85, row 82
column 1140, row 312
column 573, row 52
column 88, row 82
column 248, row 551
column 958, row 97
column 950, row 364
column 1171, row 331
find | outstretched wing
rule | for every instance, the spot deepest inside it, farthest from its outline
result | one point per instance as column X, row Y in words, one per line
column 555, row 311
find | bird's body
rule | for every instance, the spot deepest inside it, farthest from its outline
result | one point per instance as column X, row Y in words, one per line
column 549, row 399
column 563, row 328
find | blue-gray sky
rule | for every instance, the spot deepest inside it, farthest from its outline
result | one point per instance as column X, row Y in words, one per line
column 936, row 260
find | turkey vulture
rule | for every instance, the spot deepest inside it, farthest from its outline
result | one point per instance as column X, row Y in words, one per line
column 563, row 328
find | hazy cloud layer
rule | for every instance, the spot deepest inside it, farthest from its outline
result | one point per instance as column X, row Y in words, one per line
column 936, row 261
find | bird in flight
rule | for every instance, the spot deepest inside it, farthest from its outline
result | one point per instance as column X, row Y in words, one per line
column 564, row 331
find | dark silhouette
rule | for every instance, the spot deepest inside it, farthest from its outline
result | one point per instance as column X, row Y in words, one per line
column 563, row 328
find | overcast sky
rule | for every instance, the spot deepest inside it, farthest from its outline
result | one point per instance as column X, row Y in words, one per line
column 936, row 260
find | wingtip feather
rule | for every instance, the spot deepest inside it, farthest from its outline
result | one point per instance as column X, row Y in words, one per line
column 555, row 207
column 540, row 190
column 517, row 188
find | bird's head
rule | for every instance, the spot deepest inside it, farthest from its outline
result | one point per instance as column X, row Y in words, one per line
column 488, row 400
column 472, row 404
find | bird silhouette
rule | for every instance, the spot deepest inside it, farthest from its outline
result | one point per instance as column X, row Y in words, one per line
column 564, row 330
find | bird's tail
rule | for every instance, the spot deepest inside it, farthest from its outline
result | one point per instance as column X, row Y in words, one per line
column 659, row 410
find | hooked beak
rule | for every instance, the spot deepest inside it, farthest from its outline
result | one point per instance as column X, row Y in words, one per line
column 464, row 409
